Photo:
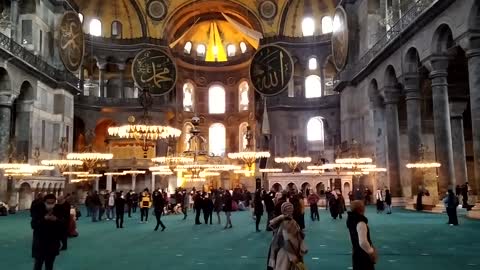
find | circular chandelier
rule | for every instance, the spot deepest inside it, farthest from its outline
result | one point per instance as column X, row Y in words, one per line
column 271, row 170
column 422, row 164
column 90, row 159
column 248, row 156
column 293, row 162
column 62, row 164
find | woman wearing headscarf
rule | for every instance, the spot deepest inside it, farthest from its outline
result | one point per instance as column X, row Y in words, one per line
column 287, row 247
column 451, row 202
column 333, row 205
column 257, row 209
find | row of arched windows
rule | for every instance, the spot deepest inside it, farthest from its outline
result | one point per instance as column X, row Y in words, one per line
column 217, row 135
column 95, row 27
column 201, row 49
column 308, row 26
column 216, row 98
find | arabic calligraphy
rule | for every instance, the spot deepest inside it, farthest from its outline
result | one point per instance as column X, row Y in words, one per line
column 155, row 70
column 71, row 41
column 271, row 70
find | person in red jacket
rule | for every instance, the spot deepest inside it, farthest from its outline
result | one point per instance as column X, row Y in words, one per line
column 313, row 199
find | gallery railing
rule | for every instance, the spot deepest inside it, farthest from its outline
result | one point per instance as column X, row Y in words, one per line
column 411, row 14
column 37, row 62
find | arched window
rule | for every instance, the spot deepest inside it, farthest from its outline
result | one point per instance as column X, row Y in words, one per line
column 242, row 139
column 80, row 16
column 216, row 99
column 201, row 50
column 117, row 29
column 95, row 28
column 216, row 139
column 186, row 136
column 243, row 47
column 312, row 63
column 308, row 27
column 315, row 131
column 188, row 89
column 231, row 50
column 188, row 47
column 313, row 86
column 243, row 96
column 327, row 24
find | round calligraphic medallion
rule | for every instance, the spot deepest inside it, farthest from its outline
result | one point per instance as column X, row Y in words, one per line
column 268, row 9
column 71, row 41
column 153, row 69
column 156, row 9
column 271, row 70
column 340, row 38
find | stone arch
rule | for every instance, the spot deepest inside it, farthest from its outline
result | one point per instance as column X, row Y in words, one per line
column 25, row 196
column 38, row 188
column 412, row 61
column 305, row 188
column 442, row 39
column 390, row 77
column 277, row 187
column 292, row 187
column 474, row 19
column 374, row 93
column 320, row 188
column 21, row 115
column 5, row 83
column 49, row 188
column 55, row 189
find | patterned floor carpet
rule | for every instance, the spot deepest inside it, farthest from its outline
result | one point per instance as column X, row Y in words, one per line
column 405, row 240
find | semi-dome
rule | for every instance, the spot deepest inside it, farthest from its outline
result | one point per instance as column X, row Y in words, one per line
column 308, row 17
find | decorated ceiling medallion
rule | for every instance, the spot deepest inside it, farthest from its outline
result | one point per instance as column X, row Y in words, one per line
column 340, row 38
column 268, row 9
column 156, row 9
column 71, row 41
column 154, row 70
column 271, row 70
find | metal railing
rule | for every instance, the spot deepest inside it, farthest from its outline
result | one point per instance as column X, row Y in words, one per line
column 37, row 62
column 411, row 14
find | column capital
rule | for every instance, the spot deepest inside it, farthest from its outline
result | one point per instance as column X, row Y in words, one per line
column 457, row 108
column 391, row 95
column 6, row 99
column 437, row 64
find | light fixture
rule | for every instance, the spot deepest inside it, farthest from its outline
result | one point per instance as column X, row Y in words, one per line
column 114, row 173
column 249, row 156
column 90, row 175
column 62, row 164
column 293, row 162
column 74, row 173
column 315, row 172
column 90, row 159
column 271, row 170
column 134, row 172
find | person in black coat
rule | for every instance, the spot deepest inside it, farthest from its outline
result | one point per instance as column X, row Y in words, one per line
column 257, row 209
column 451, row 203
column 197, row 205
column 227, row 208
column 269, row 207
column 119, row 209
column 158, row 206
column 207, row 208
column 129, row 202
column 38, row 202
column 278, row 206
column 388, row 201
column 46, row 234
column 62, row 211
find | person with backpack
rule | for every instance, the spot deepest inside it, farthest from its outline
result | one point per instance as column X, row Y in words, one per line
column 145, row 204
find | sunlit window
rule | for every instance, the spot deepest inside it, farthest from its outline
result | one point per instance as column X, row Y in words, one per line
column 243, row 96
column 315, row 130
column 231, row 50
column 313, row 86
column 95, row 27
column 188, row 89
column 312, row 63
column 243, row 47
column 216, row 139
column 308, row 27
column 80, row 16
column 216, row 99
column 242, row 131
column 186, row 136
column 201, row 50
column 327, row 24
column 187, row 48
column 337, row 25
column 116, row 29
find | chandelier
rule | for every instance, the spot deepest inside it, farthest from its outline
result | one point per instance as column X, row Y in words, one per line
column 293, row 162
column 90, row 159
column 271, row 170
column 144, row 130
column 422, row 164
column 62, row 164
column 248, row 156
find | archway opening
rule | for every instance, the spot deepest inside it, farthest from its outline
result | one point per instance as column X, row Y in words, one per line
column 25, row 196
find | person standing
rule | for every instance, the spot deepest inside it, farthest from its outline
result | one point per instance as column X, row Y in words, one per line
column 46, row 234
column 184, row 201
column 62, row 212
column 379, row 198
column 197, row 205
column 364, row 255
column 38, row 202
column 313, row 199
column 333, row 205
column 134, row 201
column 111, row 206
column 298, row 214
column 207, row 208
column 227, row 208
column 328, row 196
column 388, row 201
column 129, row 203
column 269, row 207
column 278, row 205
column 95, row 206
column 341, row 204
column 120, row 209
column 158, row 206
column 217, row 205
column 451, row 203
column 257, row 209
column 89, row 204
column 145, row 204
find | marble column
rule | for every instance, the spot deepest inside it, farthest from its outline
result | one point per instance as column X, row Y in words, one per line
column 97, row 184
column 379, row 131
column 121, row 78
column 5, row 116
column 152, row 181
column 393, row 141
column 441, row 122
column 414, row 126
column 14, row 19
column 134, row 181
column 474, row 83
column 109, row 182
column 458, row 141
column 101, row 79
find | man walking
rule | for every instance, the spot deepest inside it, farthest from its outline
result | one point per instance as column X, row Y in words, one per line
column 313, row 199
column 62, row 212
column 269, row 207
column 120, row 209
column 158, row 205
column 364, row 255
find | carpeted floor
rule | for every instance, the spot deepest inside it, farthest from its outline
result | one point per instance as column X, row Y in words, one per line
column 405, row 240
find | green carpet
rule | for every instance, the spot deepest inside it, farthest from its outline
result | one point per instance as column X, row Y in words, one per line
column 405, row 240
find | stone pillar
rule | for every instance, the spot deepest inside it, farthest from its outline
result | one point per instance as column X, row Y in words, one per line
column 134, row 181
column 379, row 131
column 152, row 180
column 414, row 126
column 458, row 140
column 109, row 182
column 14, row 19
column 393, row 142
column 97, row 180
column 101, row 79
column 474, row 83
column 5, row 116
column 121, row 78
column 441, row 122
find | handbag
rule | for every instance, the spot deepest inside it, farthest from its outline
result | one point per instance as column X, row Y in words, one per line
column 298, row 266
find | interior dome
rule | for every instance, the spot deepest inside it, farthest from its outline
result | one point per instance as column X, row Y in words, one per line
column 302, row 14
